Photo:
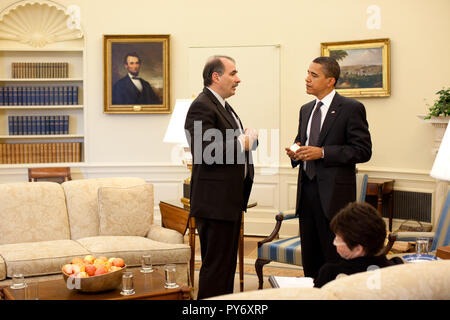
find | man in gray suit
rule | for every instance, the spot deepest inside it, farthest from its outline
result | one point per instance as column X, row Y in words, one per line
column 222, row 175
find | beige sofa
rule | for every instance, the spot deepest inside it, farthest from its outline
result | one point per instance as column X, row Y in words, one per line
column 44, row 225
column 410, row 281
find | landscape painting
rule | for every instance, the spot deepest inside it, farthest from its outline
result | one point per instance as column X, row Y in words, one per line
column 364, row 67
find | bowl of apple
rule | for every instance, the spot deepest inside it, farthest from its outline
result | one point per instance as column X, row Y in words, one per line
column 90, row 274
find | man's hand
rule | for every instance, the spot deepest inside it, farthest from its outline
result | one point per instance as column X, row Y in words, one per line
column 291, row 153
column 248, row 138
column 305, row 153
column 308, row 153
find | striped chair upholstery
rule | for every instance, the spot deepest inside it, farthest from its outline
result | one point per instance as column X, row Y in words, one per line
column 441, row 236
column 289, row 250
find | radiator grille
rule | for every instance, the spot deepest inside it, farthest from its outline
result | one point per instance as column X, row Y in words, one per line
column 406, row 205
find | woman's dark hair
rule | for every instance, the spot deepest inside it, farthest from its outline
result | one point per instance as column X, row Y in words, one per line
column 360, row 223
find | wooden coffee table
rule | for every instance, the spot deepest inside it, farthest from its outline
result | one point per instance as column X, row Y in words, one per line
column 149, row 286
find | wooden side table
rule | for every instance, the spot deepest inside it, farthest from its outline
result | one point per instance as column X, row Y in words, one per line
column 443, row 252
column 379, row 188
column 175, row 215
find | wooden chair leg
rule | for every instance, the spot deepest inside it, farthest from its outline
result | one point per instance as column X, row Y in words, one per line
column 259, row 264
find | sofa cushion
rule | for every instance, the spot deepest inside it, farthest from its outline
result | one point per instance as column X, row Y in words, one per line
column 131, row 249
column 40, row 258
column 125, row 211
column 417, row 281
column 82, row 202
column 32, row 211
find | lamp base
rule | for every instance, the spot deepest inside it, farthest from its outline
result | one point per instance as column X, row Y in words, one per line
column 186, row 192
column 186, row 202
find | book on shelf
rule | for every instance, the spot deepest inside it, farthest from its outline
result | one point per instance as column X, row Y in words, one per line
column 57, row 152
column 38, row 95
column 291, row 282
column 38, row 125
column 39, row 70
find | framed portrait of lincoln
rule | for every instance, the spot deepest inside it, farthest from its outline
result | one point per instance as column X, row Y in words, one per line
column 136, row 73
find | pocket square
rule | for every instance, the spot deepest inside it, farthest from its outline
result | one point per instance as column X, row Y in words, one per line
column 333, row 111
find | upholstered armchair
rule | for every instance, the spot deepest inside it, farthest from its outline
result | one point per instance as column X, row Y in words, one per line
column 289, row 250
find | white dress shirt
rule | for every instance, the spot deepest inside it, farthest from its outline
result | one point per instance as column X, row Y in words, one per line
column 324, row 109
column 136, row 82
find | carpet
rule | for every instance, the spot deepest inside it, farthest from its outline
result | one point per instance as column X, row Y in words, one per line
column 271, row 269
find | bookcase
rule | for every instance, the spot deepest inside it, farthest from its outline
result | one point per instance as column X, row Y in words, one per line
column 42, row 86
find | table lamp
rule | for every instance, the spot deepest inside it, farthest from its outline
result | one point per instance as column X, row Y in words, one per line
column 441, row 166
column 175, row 134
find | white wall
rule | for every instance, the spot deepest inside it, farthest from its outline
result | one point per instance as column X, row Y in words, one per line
column 418, row 31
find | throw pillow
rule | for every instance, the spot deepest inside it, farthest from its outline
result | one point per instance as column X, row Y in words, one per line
column 125, row 211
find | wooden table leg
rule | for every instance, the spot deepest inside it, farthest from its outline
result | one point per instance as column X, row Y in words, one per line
column 380, row 200
column 390, row 212
column 192, row 245
column 241, row 255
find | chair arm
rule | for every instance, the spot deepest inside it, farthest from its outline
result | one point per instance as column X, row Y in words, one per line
column 287, row 215
column 412, row 235
column 162, row 234
column 392, row 237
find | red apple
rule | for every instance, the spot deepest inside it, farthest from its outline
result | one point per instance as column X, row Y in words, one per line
column 67, row 269
column 90, row 269
column 100, row 270
column 77, row 268
column 103, row 258
column 118, row 262
column 82, row 275
column 89, row 259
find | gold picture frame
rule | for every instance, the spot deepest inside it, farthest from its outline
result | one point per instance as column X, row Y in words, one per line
column 365, row 66
column 136, row 73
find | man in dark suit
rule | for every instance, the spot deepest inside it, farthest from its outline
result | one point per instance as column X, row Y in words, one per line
column 132, row 89
column 222, row 175
column 333, row 135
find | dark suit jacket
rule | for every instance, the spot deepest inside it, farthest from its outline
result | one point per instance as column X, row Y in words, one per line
column 346, row 141
column 218, row 188
column 125, row 92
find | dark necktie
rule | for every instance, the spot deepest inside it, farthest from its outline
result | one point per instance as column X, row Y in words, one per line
column 228, row 108
column 314, row 138
column 136, row 78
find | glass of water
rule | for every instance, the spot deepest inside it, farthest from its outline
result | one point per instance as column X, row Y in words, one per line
column 127, row 284
column 146, row 264
column 18, row 280
column 170, row 274
column 422, row 245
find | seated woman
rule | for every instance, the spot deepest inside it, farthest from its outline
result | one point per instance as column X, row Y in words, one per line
column 360, row 234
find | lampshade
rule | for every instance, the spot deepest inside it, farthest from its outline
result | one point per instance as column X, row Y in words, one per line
column 441, row 166
column 175, row 130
